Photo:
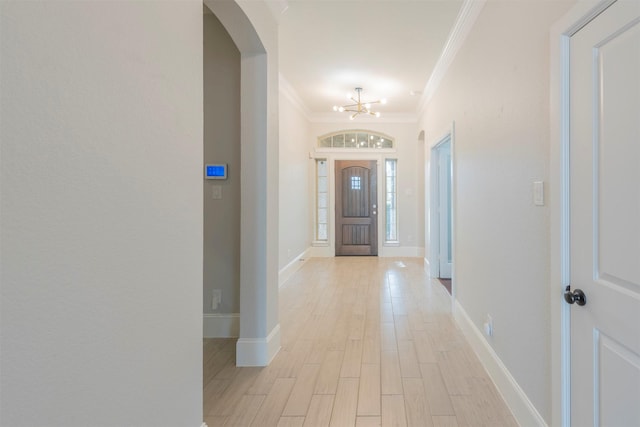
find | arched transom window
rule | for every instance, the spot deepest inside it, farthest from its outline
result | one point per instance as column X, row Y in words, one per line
column 355, row 139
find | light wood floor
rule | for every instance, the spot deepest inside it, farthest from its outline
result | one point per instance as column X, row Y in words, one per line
column 366, row 341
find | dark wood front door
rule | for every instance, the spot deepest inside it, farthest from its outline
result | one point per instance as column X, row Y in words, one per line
column 356, row 209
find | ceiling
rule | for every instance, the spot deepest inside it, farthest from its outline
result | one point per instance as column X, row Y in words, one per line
column 387, row 47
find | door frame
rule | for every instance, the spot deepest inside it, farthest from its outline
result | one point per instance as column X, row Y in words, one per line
column 561, row 32
column 375, row 242
column 433, row 224
column 328, row 248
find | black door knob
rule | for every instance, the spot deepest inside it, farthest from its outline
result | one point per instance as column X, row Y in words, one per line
column 576, row 296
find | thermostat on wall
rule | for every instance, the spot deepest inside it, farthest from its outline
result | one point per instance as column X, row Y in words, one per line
column 215, row 171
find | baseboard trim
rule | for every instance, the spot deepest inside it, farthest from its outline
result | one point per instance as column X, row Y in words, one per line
column 521, row 407
column 401, row 251
column 258, row 351
column 288, row 270
column 221, row 325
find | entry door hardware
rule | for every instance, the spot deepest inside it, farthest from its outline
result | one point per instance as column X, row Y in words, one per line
column 576, row 296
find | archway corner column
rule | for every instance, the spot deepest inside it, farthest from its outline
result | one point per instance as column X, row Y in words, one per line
column 259, row 339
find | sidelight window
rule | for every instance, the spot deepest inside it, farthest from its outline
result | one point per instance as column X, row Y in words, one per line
column 391, row 226
column 322, row 204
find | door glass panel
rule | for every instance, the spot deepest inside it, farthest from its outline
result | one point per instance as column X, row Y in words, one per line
column 356, row 183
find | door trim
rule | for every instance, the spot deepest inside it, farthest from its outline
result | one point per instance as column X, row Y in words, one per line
column 434, row 217
column 561, row 33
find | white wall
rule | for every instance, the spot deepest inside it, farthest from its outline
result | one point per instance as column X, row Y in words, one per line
column 295, row 237
column 410, row 180
column 221, row 145
column 101, row 214
column 497, row 92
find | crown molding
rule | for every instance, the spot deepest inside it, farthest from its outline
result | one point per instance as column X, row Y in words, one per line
column 290, row 93
column 341, row 118
column 464, row 23
column 277, row 8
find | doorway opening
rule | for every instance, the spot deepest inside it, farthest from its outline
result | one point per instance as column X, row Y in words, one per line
column 441, row 211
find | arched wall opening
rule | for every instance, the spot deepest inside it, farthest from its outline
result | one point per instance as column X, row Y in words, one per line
column 259, row 336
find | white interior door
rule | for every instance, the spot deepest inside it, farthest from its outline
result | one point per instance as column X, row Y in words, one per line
column 444, row 196
column 604, row 221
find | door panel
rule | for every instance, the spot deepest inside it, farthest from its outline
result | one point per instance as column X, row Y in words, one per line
column 605, row 218
column 356, row 210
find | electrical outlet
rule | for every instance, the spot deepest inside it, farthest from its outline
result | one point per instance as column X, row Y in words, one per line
column 488, row 326
column 216, row 298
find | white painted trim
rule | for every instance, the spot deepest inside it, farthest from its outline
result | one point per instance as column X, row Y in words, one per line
column 521, row 407
column 464, row 23
column 401, row 251
column 581, row 14
column 321, row 152
column 219, row 325
column 258, row 351
column 322, row 251
column 454, row 210
column 288, row 270
column 427, row 266
column 434, row 216
column 383, row 252
column 290, row 93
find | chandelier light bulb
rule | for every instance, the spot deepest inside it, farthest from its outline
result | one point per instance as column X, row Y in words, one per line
column 358, row 107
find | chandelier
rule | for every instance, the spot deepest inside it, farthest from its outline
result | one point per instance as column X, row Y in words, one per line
column 359, row 107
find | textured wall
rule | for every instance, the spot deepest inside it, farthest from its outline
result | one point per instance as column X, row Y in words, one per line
column 101, row 213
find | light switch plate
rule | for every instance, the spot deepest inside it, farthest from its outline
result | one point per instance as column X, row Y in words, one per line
column 538, row 193
column 216, row 192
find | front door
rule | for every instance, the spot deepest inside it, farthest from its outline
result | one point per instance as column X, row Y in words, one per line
column 356, row 207
column 604, row 219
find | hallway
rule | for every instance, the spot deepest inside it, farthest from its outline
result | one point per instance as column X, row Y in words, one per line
column 366, row 341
